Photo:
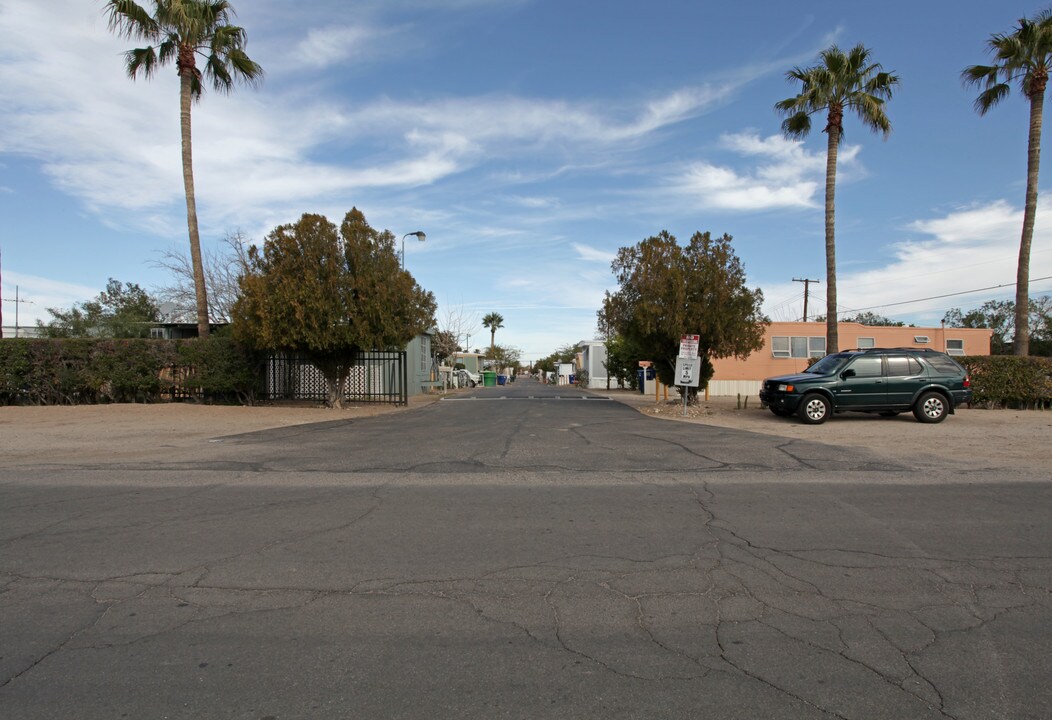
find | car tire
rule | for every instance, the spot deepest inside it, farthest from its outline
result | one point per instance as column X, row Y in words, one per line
column 931, row 407
column 471, row 383
column 814, row 409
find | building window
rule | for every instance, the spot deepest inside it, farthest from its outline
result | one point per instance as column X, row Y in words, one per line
column 425, row 352
column 157, row 333
column 864, row 343
column 798, row 347
column 955, row 347
column 921, row 339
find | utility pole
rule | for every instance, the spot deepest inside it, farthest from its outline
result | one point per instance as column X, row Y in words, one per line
column 807, row 287
column 17, row 301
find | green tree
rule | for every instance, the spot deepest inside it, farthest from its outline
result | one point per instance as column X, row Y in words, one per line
column 329, row 293
column 119, row 311
column 840, row 82
column 506, row 357
column 180, row 31
column 622, row 361
column 1022, row 57
column 667, row 291
column 999, row 316
column 868, row 318
column 566, row 353
column 494, row 321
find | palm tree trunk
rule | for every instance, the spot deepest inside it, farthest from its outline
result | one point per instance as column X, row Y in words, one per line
column 1021, row 341
column 191, row 206
column 832, row 335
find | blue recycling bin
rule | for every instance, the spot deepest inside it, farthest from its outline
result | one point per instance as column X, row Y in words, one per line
column 502, row 379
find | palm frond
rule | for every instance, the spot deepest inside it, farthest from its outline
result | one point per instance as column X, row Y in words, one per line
column 1019, row 57
column 140, row 60
column 990, row 97
column 980, row 74
column 128, row 19
column 797, row 125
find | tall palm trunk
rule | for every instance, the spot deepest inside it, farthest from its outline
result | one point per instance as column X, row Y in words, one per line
column 832, row 335
column 1021, row 341
column 191, row 204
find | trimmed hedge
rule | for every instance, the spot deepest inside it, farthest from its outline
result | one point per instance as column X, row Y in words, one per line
column 80, row 371
column 1010, row 381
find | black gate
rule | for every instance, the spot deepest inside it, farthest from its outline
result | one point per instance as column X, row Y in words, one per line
column 377, row 377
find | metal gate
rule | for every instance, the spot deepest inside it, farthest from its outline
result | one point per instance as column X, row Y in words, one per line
column 377, row 377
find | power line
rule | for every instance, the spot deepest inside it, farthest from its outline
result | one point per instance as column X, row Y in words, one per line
column 938, row 297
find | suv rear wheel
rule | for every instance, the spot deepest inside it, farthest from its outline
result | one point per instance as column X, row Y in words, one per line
column 930, row 408
column 814, row 409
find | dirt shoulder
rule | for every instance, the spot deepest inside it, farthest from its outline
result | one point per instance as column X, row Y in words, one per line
column 970, row 439
column 90, row 433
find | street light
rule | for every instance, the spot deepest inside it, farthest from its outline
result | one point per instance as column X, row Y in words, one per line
column 419, row 236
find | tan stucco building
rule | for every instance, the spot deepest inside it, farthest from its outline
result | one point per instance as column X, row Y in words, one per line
column 788, row 345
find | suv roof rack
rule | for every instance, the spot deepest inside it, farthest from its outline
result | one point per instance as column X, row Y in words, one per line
column 900, row 349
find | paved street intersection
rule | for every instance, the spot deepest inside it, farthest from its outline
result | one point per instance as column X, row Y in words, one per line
column 523, row 552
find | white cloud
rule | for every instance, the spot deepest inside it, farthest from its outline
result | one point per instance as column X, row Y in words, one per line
column 591, row 254
column 37, row 294
column 788, row 175
column 967, row 249
column 114, row 144
column 338, row 44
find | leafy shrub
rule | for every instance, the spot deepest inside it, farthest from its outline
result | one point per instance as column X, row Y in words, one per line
column 1010, row 381
column 76, row 371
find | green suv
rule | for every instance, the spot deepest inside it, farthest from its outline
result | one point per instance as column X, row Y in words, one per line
column 887, row 381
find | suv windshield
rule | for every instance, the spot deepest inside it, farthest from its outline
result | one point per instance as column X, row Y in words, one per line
column 829, row 364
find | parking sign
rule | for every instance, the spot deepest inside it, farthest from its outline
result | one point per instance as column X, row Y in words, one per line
column 688, row 346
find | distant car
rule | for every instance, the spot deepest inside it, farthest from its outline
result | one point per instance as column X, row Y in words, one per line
column 468, row 379
column 887, row 381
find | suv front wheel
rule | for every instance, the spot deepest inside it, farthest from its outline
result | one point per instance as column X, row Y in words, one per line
column 814, row 409
column 930, row 408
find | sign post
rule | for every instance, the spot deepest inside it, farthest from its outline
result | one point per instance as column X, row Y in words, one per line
column 688, row 366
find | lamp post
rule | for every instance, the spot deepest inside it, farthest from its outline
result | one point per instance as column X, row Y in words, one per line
column 419, row 236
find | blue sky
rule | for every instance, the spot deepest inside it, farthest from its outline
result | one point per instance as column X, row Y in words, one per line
column 530, row 139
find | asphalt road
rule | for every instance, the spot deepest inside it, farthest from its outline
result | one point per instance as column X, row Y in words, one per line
column 523, row 552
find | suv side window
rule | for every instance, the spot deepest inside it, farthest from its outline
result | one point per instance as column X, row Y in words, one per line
column 867, row 366
column 903, row 366
column 944, row 364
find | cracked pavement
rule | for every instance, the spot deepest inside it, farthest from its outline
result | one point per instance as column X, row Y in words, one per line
column 518, row 554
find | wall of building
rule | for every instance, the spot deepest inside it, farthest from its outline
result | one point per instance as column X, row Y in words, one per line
column 591, row 359
column 733, row 376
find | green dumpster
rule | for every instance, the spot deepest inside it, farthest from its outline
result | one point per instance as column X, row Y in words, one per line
column 489, row 378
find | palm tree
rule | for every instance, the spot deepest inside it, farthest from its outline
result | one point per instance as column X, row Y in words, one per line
column 179, row 31
column 839, row 82
column 493, row 321
column 1024, row 56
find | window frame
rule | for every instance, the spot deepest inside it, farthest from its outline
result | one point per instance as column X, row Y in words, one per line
column 813, row 346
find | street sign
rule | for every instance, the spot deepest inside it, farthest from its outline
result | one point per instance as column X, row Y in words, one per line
column 688, row 372
column 688, row 346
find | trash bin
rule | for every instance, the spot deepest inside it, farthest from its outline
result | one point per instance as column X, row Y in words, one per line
column 489, row 378
column 502, row 379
